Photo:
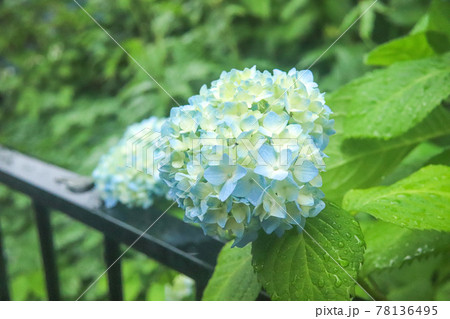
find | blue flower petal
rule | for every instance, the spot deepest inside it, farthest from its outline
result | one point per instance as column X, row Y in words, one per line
column 227, row 189
column 274, row 122
column 268, row 155
column 239, row 173
column 216, row 175
column 279, row 174
column 110, row 202
column 240, row 212
column 264, row 170
column 270, row 224
column 305, row 172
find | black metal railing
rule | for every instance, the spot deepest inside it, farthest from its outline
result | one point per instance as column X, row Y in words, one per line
column 170, row 241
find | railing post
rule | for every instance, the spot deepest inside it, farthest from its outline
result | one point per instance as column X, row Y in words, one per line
column 4, row 291
column 112, row 252
column 48, row 250
column 199, row 289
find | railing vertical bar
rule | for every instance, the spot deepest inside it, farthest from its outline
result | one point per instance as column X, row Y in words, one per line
column 4, row 290
column 199, row 289
column 112, row 252
column 48, row 250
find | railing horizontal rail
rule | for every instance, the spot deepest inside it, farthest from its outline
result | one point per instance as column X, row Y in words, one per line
column 170, row 241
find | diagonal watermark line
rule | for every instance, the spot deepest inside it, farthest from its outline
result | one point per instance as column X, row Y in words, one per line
column 316, row 242
column 151, row 77
column 129, row 55
column 327, row 49
column 343, row 33
column 323, row 53
column 125, row 251
column 138, row 135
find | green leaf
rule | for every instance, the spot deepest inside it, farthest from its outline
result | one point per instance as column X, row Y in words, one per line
column 389, row 102
column 421, row 25
column 438, row 20
column 443, row 292
column 360, row 163
column 421, row 201
column 411, row 47
column 442, row 158
column 260, row 8
column 413, row 281
column 367, row 24
column 298, row 266
column 390, row 246
column 233, row 277
column 439, row 26
column 290, row 9
column 419, row 157
column 429, row 37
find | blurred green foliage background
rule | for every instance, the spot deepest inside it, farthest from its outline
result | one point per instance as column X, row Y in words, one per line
column 67, row 92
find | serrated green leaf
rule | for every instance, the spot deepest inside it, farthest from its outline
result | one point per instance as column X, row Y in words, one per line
column 421, row 201
column 413, row 281
column 390, row 246
column 233, row 277
column 298, row 266
column 411, row 47
column 363, row 162
column 387, row 103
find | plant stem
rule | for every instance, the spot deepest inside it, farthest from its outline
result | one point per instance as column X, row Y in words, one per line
column 373, row 289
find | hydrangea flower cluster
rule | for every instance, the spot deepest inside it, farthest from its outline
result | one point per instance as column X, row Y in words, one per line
column 118, row 182
column 246, row 153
